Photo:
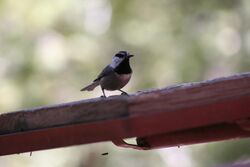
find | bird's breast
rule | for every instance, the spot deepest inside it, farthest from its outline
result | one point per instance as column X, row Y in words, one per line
column 124, row 78
column 115, row 81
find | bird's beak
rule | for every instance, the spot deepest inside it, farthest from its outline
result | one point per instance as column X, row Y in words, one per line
column 129, row 56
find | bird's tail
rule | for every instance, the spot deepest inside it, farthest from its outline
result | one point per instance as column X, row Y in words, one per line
column 91, row 86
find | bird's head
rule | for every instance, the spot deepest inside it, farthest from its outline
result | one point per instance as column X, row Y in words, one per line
column 120, row 57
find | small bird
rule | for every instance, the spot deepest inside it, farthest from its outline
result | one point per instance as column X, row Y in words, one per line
column 115, row 75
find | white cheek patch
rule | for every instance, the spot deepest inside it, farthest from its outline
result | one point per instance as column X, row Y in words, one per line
column 115, row 62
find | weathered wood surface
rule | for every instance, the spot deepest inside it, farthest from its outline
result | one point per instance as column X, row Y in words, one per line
column 84, row 111
column 175, row 108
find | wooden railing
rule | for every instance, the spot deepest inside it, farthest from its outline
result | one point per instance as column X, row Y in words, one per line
column 183, row 114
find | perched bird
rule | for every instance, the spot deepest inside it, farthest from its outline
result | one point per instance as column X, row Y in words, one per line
column 115, row 75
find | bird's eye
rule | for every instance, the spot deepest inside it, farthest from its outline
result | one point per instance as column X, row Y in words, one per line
column 119, row 55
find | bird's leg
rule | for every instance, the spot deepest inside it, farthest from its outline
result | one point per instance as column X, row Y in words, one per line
column 103, row 93
column 123, row 92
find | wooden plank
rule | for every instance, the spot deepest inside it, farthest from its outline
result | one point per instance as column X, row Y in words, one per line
column 63, row 114
column 60, row 136
column 205, row 134
column 191, row 94
column 226, row 111
column 181, row 107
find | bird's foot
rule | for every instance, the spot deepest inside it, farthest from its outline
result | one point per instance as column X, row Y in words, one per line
column 103, row 96
column 124, row 93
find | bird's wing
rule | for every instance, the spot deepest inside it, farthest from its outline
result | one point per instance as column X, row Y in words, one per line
column 91, row 86
column 106, row 71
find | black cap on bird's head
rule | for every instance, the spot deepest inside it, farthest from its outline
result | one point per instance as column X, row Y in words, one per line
column 123, row 54
column 120, row 57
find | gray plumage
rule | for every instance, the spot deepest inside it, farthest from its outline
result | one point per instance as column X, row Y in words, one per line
column 114, row 76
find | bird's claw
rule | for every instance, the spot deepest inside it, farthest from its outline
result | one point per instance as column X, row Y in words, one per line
column 124, row 93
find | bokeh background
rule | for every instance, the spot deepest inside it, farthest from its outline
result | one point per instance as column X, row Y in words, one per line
column 50, row 49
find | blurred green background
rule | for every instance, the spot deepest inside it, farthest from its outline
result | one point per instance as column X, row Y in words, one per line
column 49, row 50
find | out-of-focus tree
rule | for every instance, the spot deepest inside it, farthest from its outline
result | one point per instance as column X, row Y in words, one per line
column 50, row 49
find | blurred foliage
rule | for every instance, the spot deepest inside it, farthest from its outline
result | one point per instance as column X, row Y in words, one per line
column 223, row 152
column 49, row 50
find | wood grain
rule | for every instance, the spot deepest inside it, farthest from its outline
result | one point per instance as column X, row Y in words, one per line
column 144, row 114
